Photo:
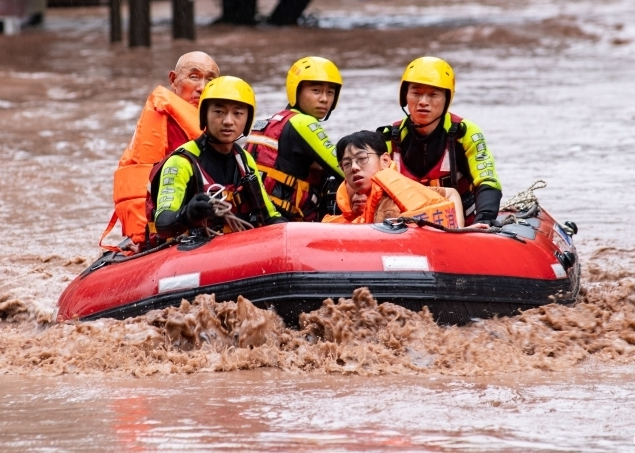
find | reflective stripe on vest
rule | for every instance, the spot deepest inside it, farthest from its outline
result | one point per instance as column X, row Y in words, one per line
column 262, row 140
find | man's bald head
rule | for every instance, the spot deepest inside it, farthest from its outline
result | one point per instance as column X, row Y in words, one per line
column 191, row 73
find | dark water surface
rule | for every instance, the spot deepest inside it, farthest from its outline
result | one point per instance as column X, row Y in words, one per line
column 550, row 82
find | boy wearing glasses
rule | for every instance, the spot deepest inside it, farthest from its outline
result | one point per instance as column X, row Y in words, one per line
column 374, row 191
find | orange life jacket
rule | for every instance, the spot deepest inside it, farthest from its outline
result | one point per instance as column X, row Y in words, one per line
column 441, row 174
column 413, row 199
column 148, row 146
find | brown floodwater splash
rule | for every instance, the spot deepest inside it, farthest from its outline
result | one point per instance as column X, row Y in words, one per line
column 350, row 336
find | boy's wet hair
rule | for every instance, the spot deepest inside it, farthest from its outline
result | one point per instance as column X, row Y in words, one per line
column 362, row 140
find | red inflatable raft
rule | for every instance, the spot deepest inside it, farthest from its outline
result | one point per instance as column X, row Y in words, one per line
column 293, row 267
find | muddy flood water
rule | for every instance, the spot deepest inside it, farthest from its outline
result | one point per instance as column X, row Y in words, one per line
column 550, row 82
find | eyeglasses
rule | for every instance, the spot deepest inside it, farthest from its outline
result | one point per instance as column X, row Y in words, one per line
column 361, row 158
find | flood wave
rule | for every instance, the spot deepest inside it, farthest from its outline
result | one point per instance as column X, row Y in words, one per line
column 358, row 335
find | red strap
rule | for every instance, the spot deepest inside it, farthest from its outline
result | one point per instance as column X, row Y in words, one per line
column 111, row 225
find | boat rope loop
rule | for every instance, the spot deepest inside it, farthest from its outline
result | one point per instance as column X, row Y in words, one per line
column 423, row 223
column 223, row 209
column 525, row 200
column 117, row 257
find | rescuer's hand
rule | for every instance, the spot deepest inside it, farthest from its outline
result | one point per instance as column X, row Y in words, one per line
column 275, row 220
column 199, row 208
column 480, row 226
column 486, row 223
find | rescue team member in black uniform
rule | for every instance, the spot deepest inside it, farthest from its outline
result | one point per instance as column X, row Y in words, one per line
column 437, row 148
column 294, row 154
column 179, row 185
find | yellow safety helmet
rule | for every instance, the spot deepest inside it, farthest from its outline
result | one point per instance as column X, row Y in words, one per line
column 312, row 69
column 428, row 71
column 230, row 89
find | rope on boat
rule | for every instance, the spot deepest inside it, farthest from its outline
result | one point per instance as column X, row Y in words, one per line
column 117, row 258
column 525, row 200
column 223, row 210
column 523, row 205
column 422, row 223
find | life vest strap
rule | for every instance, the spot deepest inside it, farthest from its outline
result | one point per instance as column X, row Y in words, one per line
column 444, row 181
column 299, row 186
column 452, row 152
column 258, row 139
column 112, row 248
column 285, row 205
column 111, row 225
column 152, row 227
column 279, row 176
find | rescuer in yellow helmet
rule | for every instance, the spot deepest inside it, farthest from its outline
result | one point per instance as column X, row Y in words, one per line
column 436, row 147
column 292, row 150
column 179, row 187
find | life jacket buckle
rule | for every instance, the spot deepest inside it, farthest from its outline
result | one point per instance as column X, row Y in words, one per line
column 395, row 133
column 444, row 181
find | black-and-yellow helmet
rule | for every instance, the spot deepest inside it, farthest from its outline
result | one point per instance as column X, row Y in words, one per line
column 230, row 89
column 430, row 71
column 312, row 69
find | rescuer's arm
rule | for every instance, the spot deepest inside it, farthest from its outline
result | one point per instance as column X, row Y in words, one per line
column 270, row 214
column 487, row 201
column 171, row 216
column 487, row 187
column 318, row 144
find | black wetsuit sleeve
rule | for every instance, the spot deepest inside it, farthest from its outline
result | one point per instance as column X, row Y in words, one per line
column 487, row 201
column 171, row 223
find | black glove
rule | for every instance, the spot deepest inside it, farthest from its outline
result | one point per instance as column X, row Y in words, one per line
column 274, row 220
column 199, row 208
column 489, row 222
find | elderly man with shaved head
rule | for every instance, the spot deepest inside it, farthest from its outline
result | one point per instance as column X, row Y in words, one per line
column 191, row 74
column 168, row 119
